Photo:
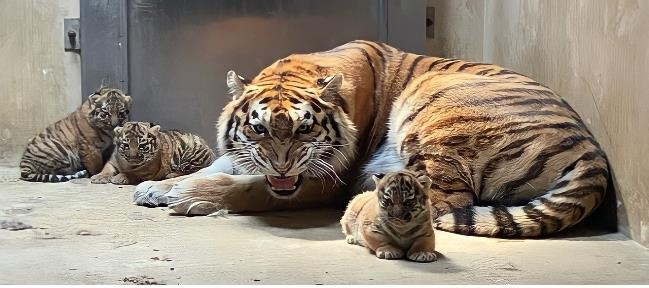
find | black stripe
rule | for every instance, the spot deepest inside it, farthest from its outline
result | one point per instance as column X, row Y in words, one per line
column 491, row 166
column 582, row 191
column 526, row 91
column 334, row 124
column 470, row 64
column 505, row 72
column 518, row 143
column 484, row 72
column 538, row 102
column 544, row 113
column 593, row 172
column 411, row 70
column 539, row 217
column 537, row 168
column 265, row 100
column 376, row 50
column 588, row 156
column 564, row 208
column 536, row 216
column 449, row 64
column 440, row 61
column 398, row 70
column 441, row 93
column 464, row 219
column 561, row 126
column 505, row 221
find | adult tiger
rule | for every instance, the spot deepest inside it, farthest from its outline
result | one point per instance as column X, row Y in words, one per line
column 310, row 124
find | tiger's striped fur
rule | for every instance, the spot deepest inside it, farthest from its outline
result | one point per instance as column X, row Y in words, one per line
column 394, row 218
column 72, row 147
column 505, row 142
column 484, row 134
column 143, row 152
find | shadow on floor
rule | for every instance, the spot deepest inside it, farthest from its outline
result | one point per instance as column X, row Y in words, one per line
column 302, row 224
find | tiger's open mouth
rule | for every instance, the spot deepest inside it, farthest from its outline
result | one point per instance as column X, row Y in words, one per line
column 284, row 186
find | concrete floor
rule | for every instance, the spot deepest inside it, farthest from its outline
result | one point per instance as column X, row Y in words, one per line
column 92, row 234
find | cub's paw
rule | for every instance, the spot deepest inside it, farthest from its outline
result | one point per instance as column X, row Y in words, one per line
column 422, row 256
column 100, row 179
column 388, row 252
column 350, row 239
column 120, row 179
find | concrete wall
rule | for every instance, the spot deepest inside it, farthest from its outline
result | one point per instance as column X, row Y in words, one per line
column 39, row 81
column 593, row 53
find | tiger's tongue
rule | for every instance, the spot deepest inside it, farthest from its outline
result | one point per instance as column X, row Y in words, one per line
column 283, row 183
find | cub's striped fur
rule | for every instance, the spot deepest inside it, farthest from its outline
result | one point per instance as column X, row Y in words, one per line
column 394, row 218
column 506, row 155
column 73, row 146
column 143, row 152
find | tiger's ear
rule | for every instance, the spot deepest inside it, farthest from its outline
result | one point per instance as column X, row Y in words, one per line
column 155, row 129
column 424, row 181
column 118, row 130
column 331, row 88
column 377, row 178
column 236, row 84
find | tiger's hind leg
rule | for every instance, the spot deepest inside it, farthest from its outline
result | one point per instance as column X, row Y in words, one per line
column 452, row 186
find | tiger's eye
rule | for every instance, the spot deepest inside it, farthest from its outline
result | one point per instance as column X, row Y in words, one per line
column 304, row 128
column 259, row 129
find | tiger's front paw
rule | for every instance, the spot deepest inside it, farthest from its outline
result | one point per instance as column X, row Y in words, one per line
column 151, row 193
column 100, row 179
column 422, row 256
column 199, row 196
column 389, row 252
column 350, row 239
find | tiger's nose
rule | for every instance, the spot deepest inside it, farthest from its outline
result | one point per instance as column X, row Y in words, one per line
column 397, row 212
column 283, row 169
column 114, row 120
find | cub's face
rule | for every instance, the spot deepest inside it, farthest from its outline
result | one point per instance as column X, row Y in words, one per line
column 137, row 142
column 109, row 108
column 287, row 128
column 402, row 195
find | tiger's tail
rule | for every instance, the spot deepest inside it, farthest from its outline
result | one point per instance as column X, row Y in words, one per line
column 577, row 193
column 51, row 178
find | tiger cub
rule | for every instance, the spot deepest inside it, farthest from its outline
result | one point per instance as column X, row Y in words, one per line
column 143, row 152
column 72, row 147
column 394, row 218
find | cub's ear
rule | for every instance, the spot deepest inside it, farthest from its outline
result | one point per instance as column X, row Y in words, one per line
column 424, row 181
column 377, row 177
column 155, row 129
column 236, row 84
column 331, row 89
column 128, row 99
column 94, row 97
column 118, row 130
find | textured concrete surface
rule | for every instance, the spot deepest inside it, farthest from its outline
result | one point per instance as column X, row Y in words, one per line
column 594, row 54
column 91, row 234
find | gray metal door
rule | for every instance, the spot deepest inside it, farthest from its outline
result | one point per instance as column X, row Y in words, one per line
column 178, row 52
